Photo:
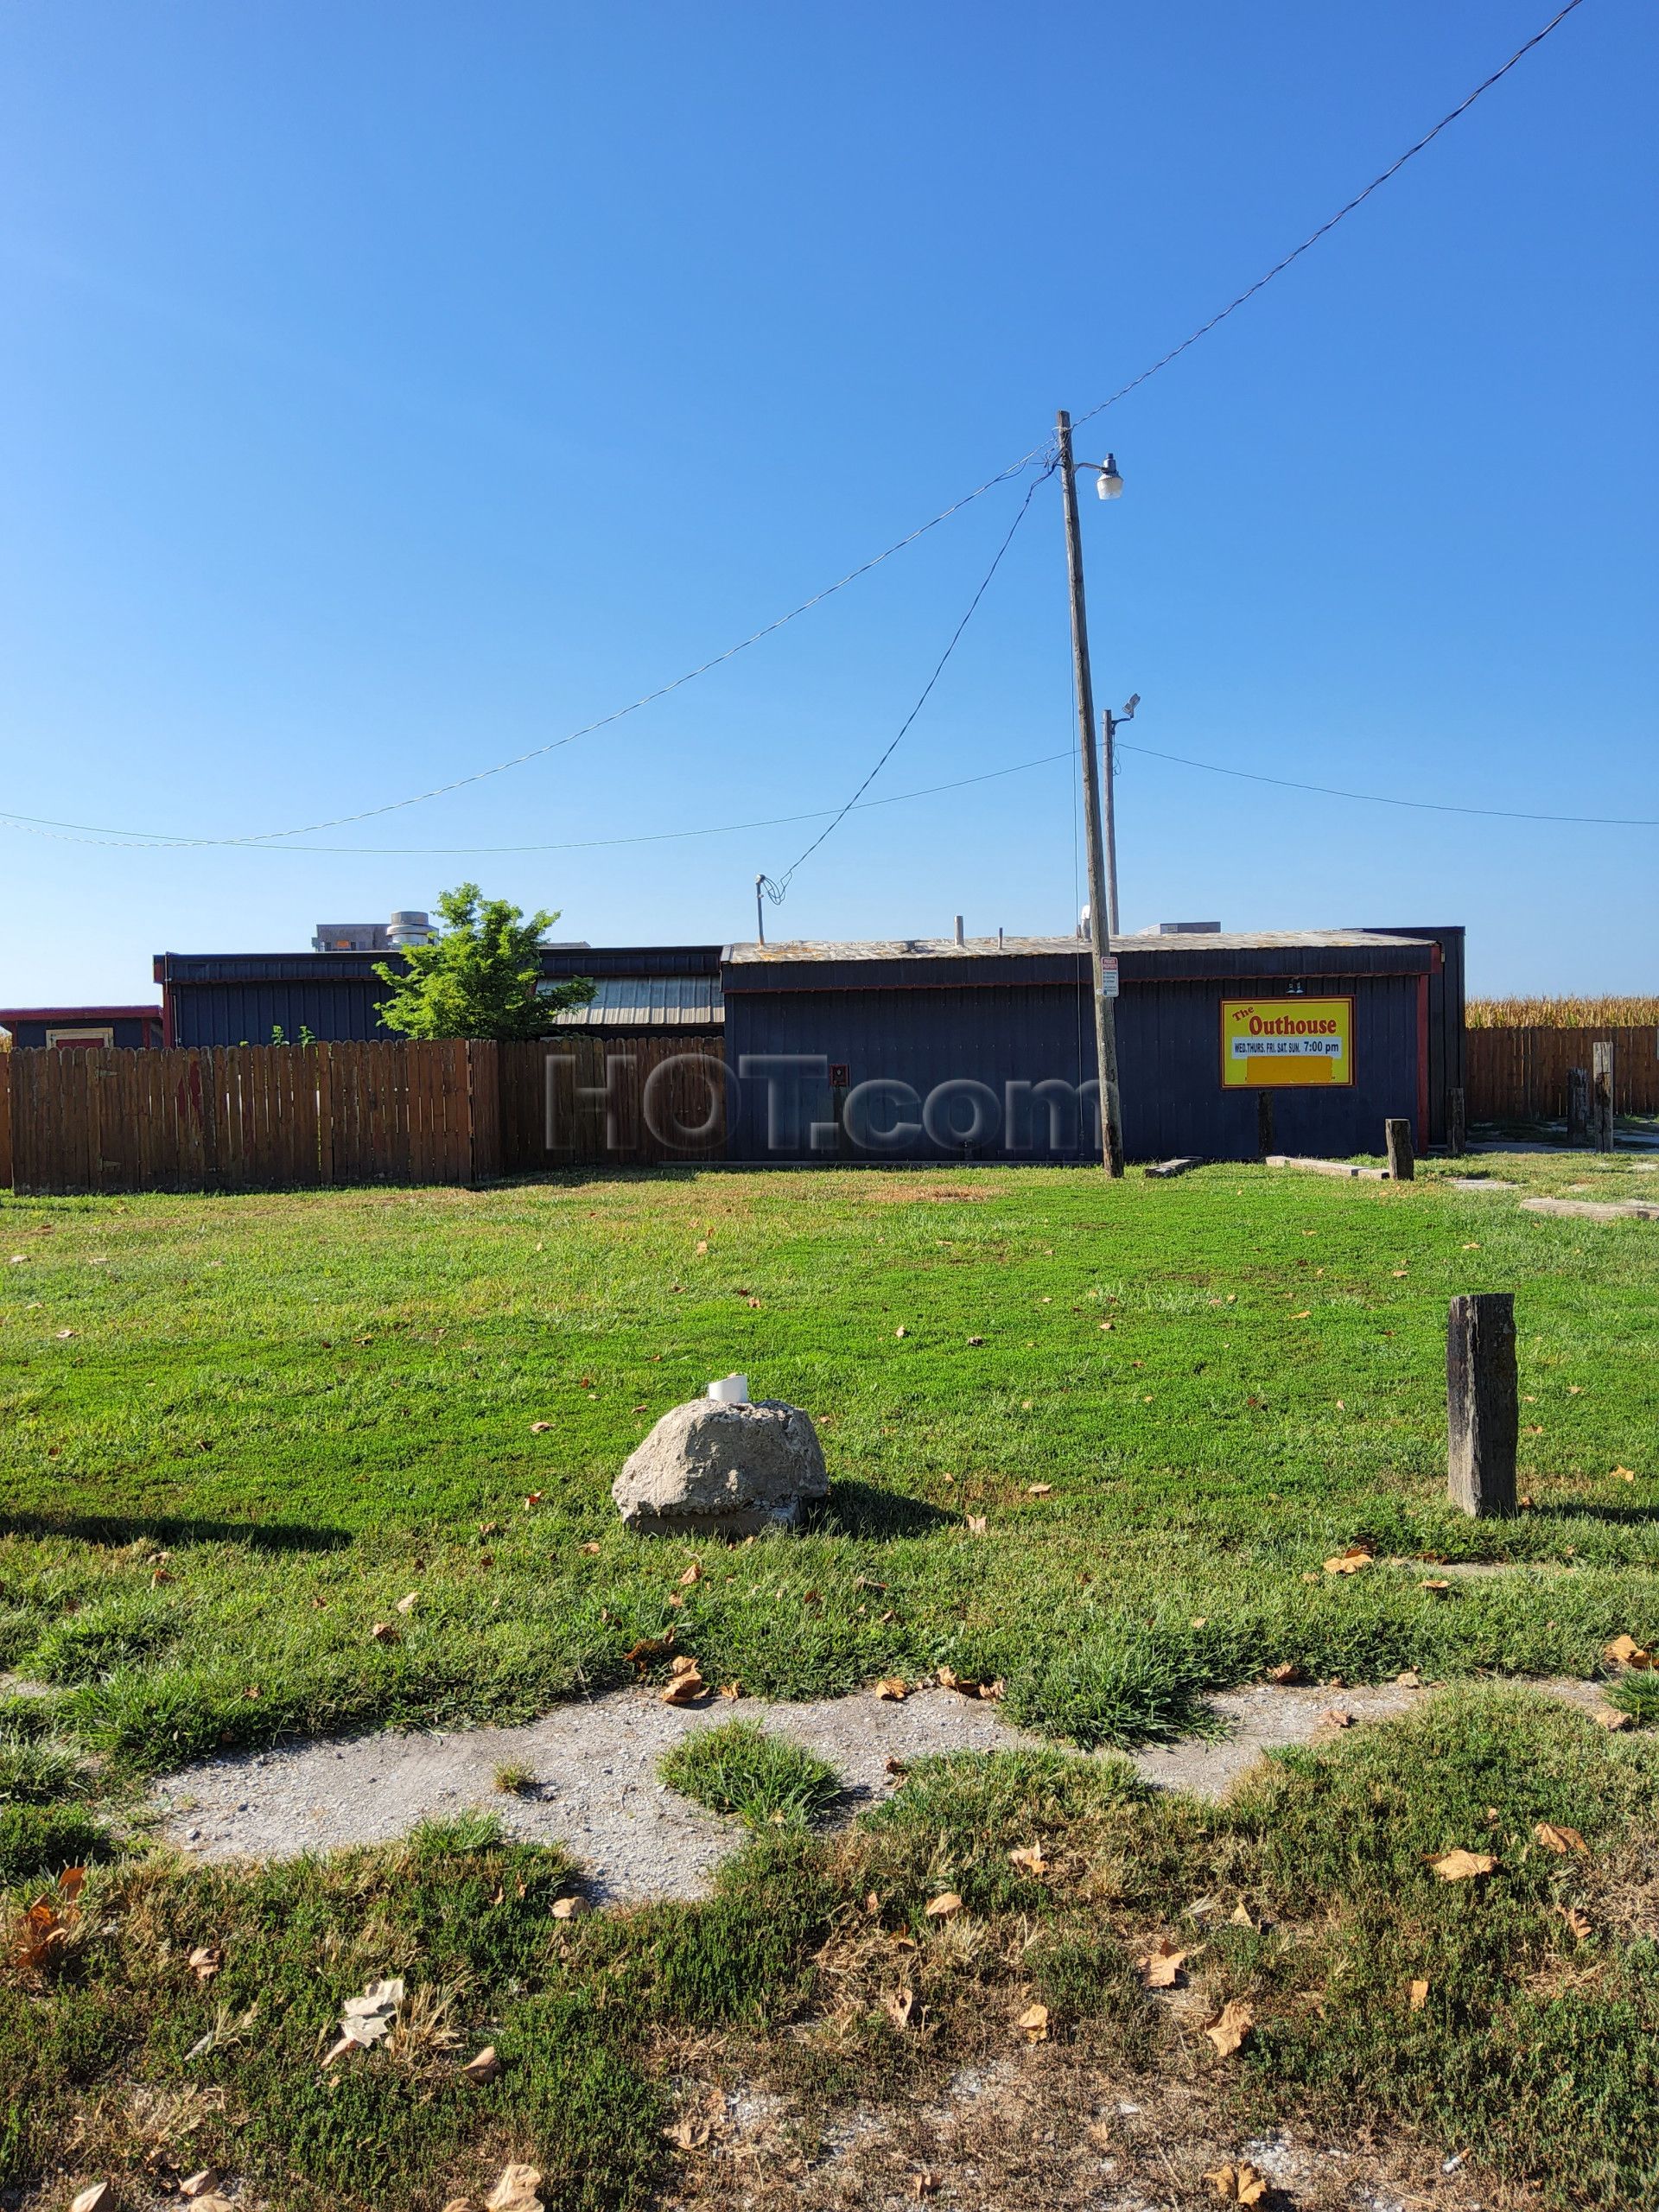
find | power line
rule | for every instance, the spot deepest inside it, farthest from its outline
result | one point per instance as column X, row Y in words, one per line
column 1042, row 453
column 776, row 892
column 591, row 844
column 1313, row 236
column 1382, row 798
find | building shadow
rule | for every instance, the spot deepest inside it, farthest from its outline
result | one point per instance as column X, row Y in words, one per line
column 173, row 1533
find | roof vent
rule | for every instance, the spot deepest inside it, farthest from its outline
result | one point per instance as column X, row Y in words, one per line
column 1189, row 928
column 409, row 926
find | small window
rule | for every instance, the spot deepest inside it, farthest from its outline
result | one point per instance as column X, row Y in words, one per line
column 73, row 1038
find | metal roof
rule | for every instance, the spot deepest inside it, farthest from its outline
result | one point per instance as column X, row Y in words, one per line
column 1174, row 947
column 650, row 1003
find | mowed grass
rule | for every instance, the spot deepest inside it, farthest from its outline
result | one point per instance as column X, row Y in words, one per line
column 238, row 1431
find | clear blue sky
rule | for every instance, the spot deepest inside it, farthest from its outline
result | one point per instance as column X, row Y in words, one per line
column 388, row 388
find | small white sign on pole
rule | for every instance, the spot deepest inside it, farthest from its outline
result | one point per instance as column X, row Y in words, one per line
column 1108, row 975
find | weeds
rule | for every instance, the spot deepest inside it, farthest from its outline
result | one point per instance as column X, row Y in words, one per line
column 764, row 1780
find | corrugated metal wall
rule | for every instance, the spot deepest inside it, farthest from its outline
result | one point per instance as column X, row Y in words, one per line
column 1169, row 1047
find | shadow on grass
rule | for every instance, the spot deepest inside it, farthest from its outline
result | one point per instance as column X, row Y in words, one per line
column 1623, row 1516
column 174, row 1532
column 858, row 1508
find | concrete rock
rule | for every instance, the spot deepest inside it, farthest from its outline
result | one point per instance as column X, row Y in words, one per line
column 722, row 1470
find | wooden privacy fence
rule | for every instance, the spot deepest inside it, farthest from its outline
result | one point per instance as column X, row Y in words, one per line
column 239, row 1117
column 577, row 1101
column 1521, row 1074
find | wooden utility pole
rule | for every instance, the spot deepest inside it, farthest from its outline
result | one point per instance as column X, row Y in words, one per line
column 1601, row 1095
column 1403, row 1161
column 1100, row 919
column 1108, row 804
column 1482, row 1410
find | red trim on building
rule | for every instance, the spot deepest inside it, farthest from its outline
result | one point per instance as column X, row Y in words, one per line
column 1422, row 1064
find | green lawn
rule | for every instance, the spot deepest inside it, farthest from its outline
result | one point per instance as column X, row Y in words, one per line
column 237, row 1432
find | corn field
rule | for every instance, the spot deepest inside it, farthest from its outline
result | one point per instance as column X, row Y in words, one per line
column 1561, row 1014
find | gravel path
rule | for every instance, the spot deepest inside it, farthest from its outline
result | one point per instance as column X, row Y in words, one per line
column 596, row 1790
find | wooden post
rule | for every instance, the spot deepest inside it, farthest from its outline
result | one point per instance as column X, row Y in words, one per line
column 1456, row 1128
column 1577, row 1105
column 1403, row 1161
column 1482, row 1410
column 1601, row 1095
column 1264, row 1143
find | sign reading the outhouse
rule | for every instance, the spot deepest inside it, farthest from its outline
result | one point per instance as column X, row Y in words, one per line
column 1280, row 1043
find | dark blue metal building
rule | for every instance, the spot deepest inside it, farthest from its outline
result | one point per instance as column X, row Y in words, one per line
column 65, row 1026
column 929, row 1049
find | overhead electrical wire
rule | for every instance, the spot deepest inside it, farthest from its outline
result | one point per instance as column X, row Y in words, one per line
column 1038, row 453
column 777, row 890
column 1383, row 798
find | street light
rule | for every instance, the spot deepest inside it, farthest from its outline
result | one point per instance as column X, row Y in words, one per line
column 1109, row 485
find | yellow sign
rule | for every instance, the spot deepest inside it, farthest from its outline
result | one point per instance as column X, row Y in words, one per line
column 1279, row 1043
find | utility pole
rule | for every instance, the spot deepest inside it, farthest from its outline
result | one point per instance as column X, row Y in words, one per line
column 1108, row 722
column 1102, row 907
column 760, row 912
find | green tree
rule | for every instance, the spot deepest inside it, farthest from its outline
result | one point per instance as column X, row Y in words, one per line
column 480, row 977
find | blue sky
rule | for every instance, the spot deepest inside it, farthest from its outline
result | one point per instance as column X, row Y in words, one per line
column 389, row 390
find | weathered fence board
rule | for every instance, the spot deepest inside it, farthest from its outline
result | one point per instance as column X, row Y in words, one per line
column 1521, row 1074
column 243, row 1117
column 616, row 1102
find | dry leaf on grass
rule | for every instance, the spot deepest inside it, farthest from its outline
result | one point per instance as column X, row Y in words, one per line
column 1350, row 1561
column 1238, row 2184
column 1417, row 1995
column 686, row 1685
column 1040, row 1489
column 98, row 2198
column 1032, row 2023
column 1230, row 2026
column 689, row 2133
column 649, row 1650
column 201, row 2184
column 205, row 1962
column 1030, row 1859
column 1560, row 1840
column 1578, row 1924
column 1336, row 1718
column 407, row 1604
column 924, row 2185
column 901, row 1331
column 693, row 1574
column 540, row 1428
column 1625, row 1651
column 976, row 1524
column 1461, row 1865
column 1608, row 1716
column 571, row 1907
column 485, row 2067
column 516, row 2191
column 1240, row 1915
column 368, row 2019
column 942, row 1907
column 384, row 1632
column 893, row 1687
column 898, row 2006
column 1284, row 1674
column 733, row 1689
column 1161, row 1968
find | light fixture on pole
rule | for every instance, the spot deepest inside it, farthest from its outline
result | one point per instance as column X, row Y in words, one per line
column 1103, row 904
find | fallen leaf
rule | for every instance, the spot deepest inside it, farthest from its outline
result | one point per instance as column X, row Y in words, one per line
column 1161, row 1968
column 923, row 2184
column 1437, row 1585
column 1350, row 1561
column 1030, row 1859
column 942, row 1907
column 1624, row 1474
column 199, row 2184
column 1238, row 2184
column 1397, row 1273
column 1240, row 1915
column 592, row 1547
column 976, row 1524
column 534, row 1498
column 733, row 1689
column 901, row 1331
column 1040, row 1489
column 1286, row 1673
column 570, row 1907
column 693, row 1574
column 1461, row 1865
column 1409, row 1679
column 95, row 2199
column 897, row 1769
column 1306, row 1314
column 407, row 1604
column 898, row 2006
column 686, row 1687
column 540, row 1428
column 1625, row 1651
column 463, row 2203
column 893, row 1686
column 975, row 1340
column 1032, row 2023
column 1608, row 1717
column 1230, row 2026
column 649, row 1650
column 384, row 1632
column 1336, row 1718
column 1560, row 1840
column 516, row 2191
column 485, row 2067
column 1578, row 1924
column 205, row 1962
column 1418, row 1995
